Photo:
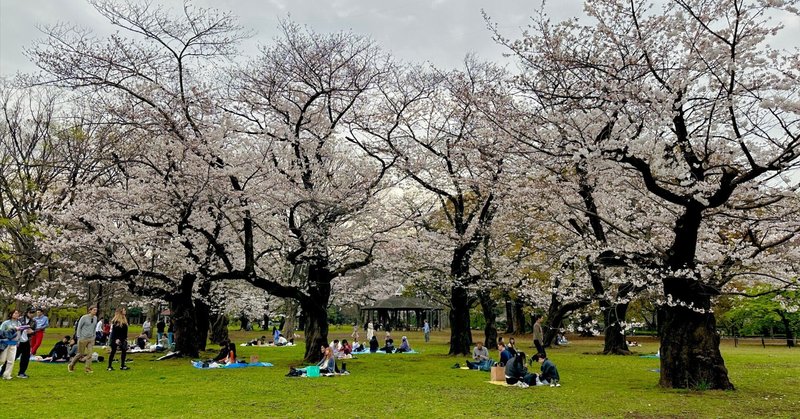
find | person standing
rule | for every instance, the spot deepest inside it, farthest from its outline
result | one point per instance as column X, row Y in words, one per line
column 98, row 333
column 119, row 338
column 85, row 333
column 171, row 332
column 160, row 325
column 42, row 323
column 146, row 328
column 370, row 330
column 24, row 349
column 354, row 335
column 538, row 336
column 426, row 330
column 9, row 339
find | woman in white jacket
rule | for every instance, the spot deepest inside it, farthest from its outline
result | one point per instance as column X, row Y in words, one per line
column 9, row 339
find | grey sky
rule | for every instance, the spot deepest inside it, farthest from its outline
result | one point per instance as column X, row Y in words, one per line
column 439, row 31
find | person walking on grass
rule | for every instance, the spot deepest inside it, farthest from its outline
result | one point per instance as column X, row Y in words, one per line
column 85, row 333
column 426, row 330
column 119, row 338
column 9, row 339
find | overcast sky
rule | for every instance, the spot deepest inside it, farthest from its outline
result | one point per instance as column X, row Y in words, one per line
column 439, row 31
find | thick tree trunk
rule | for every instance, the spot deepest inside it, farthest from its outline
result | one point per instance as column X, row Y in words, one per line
column 202, row 318
column 490, row 330
column 218, row 323
column 460, row 333
column 690, row 356
column 315, row 308
column 183, row 313
column 615, row 340
column 316, row 330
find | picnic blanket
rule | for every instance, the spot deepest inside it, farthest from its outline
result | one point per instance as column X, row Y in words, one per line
column 367, row 352
column 214, row 365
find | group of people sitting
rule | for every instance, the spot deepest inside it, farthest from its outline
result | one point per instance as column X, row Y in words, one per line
column 388, row 345
column 278, row 340
column 516, row 373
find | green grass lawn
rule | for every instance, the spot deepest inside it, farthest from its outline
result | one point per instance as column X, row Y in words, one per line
column 421, row 385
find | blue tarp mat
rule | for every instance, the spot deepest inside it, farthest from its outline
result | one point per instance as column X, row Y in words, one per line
column 199, row 364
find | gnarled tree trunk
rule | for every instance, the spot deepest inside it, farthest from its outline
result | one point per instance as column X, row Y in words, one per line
column 690, row 356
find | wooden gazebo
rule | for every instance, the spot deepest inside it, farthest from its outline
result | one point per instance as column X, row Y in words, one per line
column 404, row 313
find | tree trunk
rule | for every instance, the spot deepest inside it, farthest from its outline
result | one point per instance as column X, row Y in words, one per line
column 316, row 330
column 488, row 305
column 315, row 309
column 460, row 333
column 509, row 316
column 202, row 318
column 690, row 356
column 183, row 313
column 218, row 323
column 615, row 342
column 788, row 327
column 519, row 318
column 290, row 314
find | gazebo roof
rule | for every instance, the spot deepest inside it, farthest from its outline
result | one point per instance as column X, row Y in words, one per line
column 403, row 303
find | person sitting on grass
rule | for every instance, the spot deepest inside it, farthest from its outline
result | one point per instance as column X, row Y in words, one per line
column 505, row 355
column 227, row 353
column 347, row 350
column 373, row 344
column 549, row 371
column 480, row 356
column 389, row 346
column 141, row 340
column 404, row 346
column 517, row 374
column 326, row 366
column 60, row 351
column 281, row 341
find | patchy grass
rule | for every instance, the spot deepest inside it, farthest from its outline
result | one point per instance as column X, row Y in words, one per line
column 421, row 385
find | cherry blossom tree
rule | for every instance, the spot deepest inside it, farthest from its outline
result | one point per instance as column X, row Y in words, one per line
column 156, row 226
column 688, row 111
column 447, row 148
column 301, row 102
